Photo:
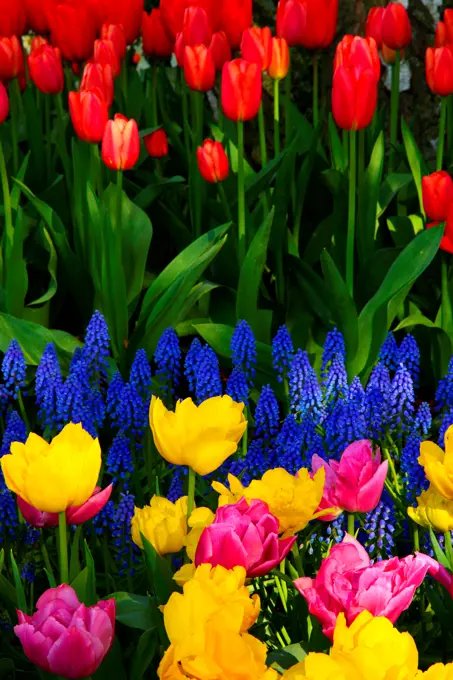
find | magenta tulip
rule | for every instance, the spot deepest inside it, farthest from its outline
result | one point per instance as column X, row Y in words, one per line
column 348, row 582
column 77, row 515
column 355, row 483
column 243, row 535
column 65, row 637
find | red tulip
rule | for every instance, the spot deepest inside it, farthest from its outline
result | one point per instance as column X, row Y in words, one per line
column 396, row 27
column 127, row 14
column 77, row 515
column 115, row 33
column 212, row 161
column 199, row 69
column 179, row 50
column 12, row 18
column 157, row 143
column 172, row 14
column 73, row 30
column 362, row 52
column 104, row 53
column 4, row 103
column 99, row 77
column 38, row 41
column 291, row 20
column 437, row 191
column 11, row 58
column 354, row 97
column 121, row 143
column 46, row 70
column 236, row 16
column 241, row 90
column 279, row 66
column 89, row 114
column 315, row 22
column 444, row 30
column 446, row 242
column 220, row 49
column 156, row 42
column 36, row 11
column 439, row 70
column 196, row 29
column 373, row 26
column 256, row 46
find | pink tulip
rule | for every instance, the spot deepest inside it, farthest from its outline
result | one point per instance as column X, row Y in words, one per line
column 77, row 515
column 243, row 535
column 355, row 483
column 348, row 582
column 65, row 637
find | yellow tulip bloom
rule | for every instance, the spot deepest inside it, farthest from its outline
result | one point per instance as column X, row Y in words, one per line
column 439, row 465
column 318, row 666
column 433, row 510
column 293, row 499
column 201, row 437
column 57, row 476
column 437, row 672
column 163, row 523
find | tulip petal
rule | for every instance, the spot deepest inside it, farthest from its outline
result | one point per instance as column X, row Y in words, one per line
column 36, row 646
column 90, row 509
column 73, row 655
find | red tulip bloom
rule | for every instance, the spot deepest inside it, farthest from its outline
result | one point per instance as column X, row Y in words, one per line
column 4, row 103
column 179, row 50
column 291, row 20
column 199, row 69
column 446, row 243
column 104, row 53
column 315, row 22
column 220, row 49
column 439, row 70
column 12, row 18
column 196, row 29
column 212, row 161
column 373, row 26
column 46, row 70
column 127, row 14
column 89, row 115
column 99, row 77
column 36, row 11
column 157, row 143
column 396, row 27
column 354, row 97
column 444, row 30
column 236, row 17
column 115, row 33
column 279, row 66
column 437, row 191
column 241, row 90
column 256, row 46
column 156, row 43
column 38, row 41
column 73, row 30
column 11, row 58
column 354, row 51
column 121, row 143
column 172, row 14
column 76, row 515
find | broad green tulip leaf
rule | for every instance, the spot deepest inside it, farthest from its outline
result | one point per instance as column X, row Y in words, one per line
column 159, row 572
column 440, row 556
column 35, row 139
column 144, row 653
column 313, row 289
column 134, row 611
column 339, row 159
column 390, row 188
column 417, row 319
column 16, row 282
column 368, row 201
column 74, row 559
column 404, row 228
column 46, row 241
column 112, row 667
column 7, row 592
column 20, row 593
column 285, row 658
column 415, row 159
column 256, row 184
column 16, row 190
column 151, row 192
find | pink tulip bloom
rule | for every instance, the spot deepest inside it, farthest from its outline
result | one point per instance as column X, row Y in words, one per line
column 243, row 535
column 65, row 637
column 355, row 483
column 348, row 582
column 77, row 515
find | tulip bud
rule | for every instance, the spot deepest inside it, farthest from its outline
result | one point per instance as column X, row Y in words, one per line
column 46, row 70
column 196, row 29
column 4, row 103
column 220, row 49
column 212, row 161
column 354, row 97
column 256, row 46
column 439, row 70
column 362, row 52
column 115, row 33
column 38, row 41
column 104, row 53
column 36, row 11
column 291, row 20
column 441, row 35
column 121, row 143
column 310, row 23
column 73, row 30
column 99, row 77
column 157, row 143
column 373, row 26
column 389, row 55
column 11, row 58
column 156, row 43
column 12, row 18
column 126, row 14
column 396, row 27
column 279, row 66
column 437, row 192
column 172, row 14
column 448, row 21
column 162, row 523
column 89, row 114
column 179, row 50
column 199, row 69
column 241, row 90
column 236, row 16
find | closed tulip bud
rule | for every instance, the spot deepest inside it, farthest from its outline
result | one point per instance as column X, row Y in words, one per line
column 73, row 30
column 439, row 70
column 373, row 26
column 156, row 43
column 99, row 77
column 448, row 22
column 279, row 66
column 199, row 69
column 36, row 11
column 256, row 46
column 104, row 53
column 196, row 29
column 12, row 18
column 433, row 511
column 4, row 103
column 241, row 90
column 46, row 70
column 437, row 192
column 291, row 20
column 172, row 14
column 310, row 23
column 441, row 35
column 354, row 97
column 396, row 27
column 446, row 243
column 362, row 52
column 179, row 50
column 162, row 523
column 121, row 143
column 89, row 114
column 126, row 14
column 11, row 58
column 220, row 49
column 115, row 33
column 157, row 143
column 212, row 161
column 236, row 17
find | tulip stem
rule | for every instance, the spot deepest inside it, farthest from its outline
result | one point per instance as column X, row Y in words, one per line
column 441, row 140
column 276, row 117
column 224, row 200
column 315, row 90
column 241, row 194
column 446, row 309
column 191, row 493
column 449, row 548
column 9, row 231
column 154, row 95
column 351, row 213
column 62, row 539
column 197, row 100
column 297, row 559
column 119, row 202
column 47, row 133
column 45, row 556
column 185, row 118
column 262, row 133
column 15, row 97
column 288, row 83
column 63, row 151
column 394, row 104
column 416, row 538
column 351, row 524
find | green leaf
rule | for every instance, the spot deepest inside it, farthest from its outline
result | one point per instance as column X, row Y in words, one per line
column 389, row 189
column 416, row 161
column 144, row 653
column 159, row 572
column 51, row 267
column 438, row 552
column 285, row 658
column 113, row 665
column 20, row 593
column 90, row 592
column 417, row 319
column 336, row 147
column 16, row 283
column 150, row 193
column 404, row 228
column 134, row 611
column 74, row 561
column 368, row 200
column 256, row 184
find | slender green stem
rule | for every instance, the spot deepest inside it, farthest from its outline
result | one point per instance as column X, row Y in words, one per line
column 245, row 436
column 388, row 457
column 441, row 140
column 281, row 592
column 64, row 150
column 449, row 547
column 361, row 160
column 315, row 90
column 63, row 545
column 15, row 108
column 119, row 200
column 47, row 136
column 351, row 524
column 288, row 84
column 346, row 146
column 185, row 117
column 297, row 558
column 262, row 134
column 22, row 410
column 351, row 213
column 241, row 194
column 394, row 105
column 154, row 94
column 198, row 132
column 446, row 311
column 276, row 117
column 416, row 537
column 224, row 200
column 191, row 492
column 9, row 231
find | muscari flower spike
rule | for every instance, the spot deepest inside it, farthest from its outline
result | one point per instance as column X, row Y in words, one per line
column 140, row 375
column 413, row 473
column 48, row 382
column 389, row 354
column 127, row 552
column 237, row 386
column 96, row 350
column 288, row 445
column 14, row 369
column 267, row 417
column 401, row 401
column 243, row 349
column 335, row 382
column 409, row 355
column 119, row 460
column 305, row 392
column 282, row 352
column 191, row 363
column 168, row 360
column 379, row 527
column 208, row 382
column 334, row 347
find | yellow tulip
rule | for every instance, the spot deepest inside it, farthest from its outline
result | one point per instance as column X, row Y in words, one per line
column 163, row 523
column 437, row 672
column 439, row 465
column 57, row 476
column 201, row 437
column 318, row 666
column 433, row 510
column 293, row 499
column 198, row 521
